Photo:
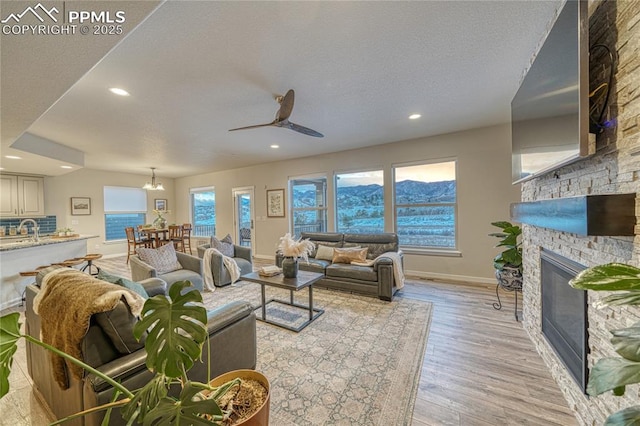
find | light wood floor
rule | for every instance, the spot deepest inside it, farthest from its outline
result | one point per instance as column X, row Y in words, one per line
column 479, row 368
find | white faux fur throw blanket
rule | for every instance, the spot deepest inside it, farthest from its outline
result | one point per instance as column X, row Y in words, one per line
column 66, row 301
column 229, row 263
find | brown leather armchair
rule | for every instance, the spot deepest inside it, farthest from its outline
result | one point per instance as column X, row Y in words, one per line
column 231, row 345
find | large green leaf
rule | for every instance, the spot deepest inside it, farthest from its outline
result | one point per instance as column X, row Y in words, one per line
column 502, row 224
column 146, row 398
column 627, row 417
column 608, row 277
column 185, row 411
column 626, row 298
column 612, row 373
column 9, row 335
column 626, row 342
column 176, row 330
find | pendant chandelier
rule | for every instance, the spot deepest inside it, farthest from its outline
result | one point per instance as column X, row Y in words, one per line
column 153, row 186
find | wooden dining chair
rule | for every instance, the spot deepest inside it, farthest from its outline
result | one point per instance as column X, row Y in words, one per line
column 186, row 237
column 175, row 236
column 133, row 242
column 142, row 236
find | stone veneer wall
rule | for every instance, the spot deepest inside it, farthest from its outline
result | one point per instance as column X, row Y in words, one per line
column 614, row 169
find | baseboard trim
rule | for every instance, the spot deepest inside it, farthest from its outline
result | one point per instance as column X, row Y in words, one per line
column 450, row 277
column 264, row 257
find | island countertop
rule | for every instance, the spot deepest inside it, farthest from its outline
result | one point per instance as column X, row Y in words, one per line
column 18, row 243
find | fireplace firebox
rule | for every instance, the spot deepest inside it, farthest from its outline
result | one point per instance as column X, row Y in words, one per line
column 564, row 314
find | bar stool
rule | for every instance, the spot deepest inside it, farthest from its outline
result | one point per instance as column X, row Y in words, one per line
column 30, row 274
column 89, row 258
column 71, row 262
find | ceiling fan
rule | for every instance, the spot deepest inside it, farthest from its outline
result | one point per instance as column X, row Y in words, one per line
column 282, row 117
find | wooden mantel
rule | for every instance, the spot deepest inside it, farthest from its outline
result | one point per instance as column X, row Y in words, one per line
column 611, row 214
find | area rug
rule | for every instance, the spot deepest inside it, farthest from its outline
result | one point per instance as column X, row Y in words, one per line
column 358, row 364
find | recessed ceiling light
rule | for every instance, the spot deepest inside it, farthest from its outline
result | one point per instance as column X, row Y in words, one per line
column 414, row 116
column 274, row 146
column 13, row 157
column 118, row 91
column 66, row 167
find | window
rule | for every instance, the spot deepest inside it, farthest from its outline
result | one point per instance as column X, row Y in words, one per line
column 123, row 207
column 308, row 204
column 203, row 211
column 425, row 205
column 360, row 202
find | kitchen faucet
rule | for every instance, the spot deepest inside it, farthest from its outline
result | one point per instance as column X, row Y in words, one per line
column 35, row 228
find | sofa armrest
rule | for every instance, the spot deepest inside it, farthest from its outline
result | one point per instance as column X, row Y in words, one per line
column 202, row 248
column 243, row 252
column 140, row 270
column 227, row 314
column 192, row 263
column 121, row 369
column 154, row 286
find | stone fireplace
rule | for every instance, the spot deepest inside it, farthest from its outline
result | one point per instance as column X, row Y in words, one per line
column 564, row 314
column 614, row 169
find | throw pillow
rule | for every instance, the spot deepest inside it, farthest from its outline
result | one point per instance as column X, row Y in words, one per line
column 324, row 252
column 224, row 246
column 348, row 255
column 131, row 285
column 163, row 259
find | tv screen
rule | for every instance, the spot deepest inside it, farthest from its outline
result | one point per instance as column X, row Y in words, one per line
column 549, row 113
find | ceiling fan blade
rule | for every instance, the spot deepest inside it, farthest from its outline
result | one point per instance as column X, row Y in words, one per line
column 305, row 130
column 253, row 127
column 286, row 106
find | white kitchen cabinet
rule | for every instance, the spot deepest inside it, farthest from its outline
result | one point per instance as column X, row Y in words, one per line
column 21, row 196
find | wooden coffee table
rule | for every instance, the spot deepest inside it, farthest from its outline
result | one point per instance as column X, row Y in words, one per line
column 304, row 279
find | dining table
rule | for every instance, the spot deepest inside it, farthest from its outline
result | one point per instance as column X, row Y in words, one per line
column 157, row 236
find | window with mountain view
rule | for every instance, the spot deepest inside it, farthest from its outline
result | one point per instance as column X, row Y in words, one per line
column 203, row 212
column 425, row 205
column 308, row 204
column 360, row 202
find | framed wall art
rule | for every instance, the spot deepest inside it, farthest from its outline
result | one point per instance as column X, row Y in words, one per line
column 161, row 204
column 275, row 203
column 80, row 206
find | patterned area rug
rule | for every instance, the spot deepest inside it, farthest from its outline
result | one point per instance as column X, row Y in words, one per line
column 358, row 364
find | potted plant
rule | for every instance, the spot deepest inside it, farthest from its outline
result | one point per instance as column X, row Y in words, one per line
column 160, row 222
column 615, row 373
column 293, row 249
column 508, row 264
column 176, row 326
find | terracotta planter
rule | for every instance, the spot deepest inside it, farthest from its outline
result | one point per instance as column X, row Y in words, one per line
column 260, row 417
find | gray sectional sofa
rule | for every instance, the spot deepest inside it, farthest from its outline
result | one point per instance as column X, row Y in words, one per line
column 376, row 280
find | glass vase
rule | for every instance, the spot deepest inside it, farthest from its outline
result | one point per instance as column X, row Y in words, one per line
column 290, row 267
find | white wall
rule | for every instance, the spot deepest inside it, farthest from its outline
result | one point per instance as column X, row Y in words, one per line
column 484, row 193
column 90, row 183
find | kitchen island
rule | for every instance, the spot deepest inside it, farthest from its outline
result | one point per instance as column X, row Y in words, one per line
column 20, row 255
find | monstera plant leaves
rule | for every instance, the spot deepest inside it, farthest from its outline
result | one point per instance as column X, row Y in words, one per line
column 627, row 417
column 608, row 277
column 613, row 374
column 185, row 411
column 176, row 330
column 9, row 335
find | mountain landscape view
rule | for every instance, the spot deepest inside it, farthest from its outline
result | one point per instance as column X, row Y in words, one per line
column 360, row 209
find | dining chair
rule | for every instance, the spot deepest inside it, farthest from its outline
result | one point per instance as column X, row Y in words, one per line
column 175, row 236
column 186, row 237
column 132, row 242
column 142, row 236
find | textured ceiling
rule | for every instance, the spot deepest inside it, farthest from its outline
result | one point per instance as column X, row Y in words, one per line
column 197, row 69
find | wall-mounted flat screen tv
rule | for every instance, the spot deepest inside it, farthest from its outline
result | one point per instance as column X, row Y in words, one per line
column 550, row 111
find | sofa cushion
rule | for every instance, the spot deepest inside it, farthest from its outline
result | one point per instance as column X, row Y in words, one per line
column 224, row 246
column 162, row 259
column 183, row 275
column 118, row 325
column 377, row 243
column 342, row 270
column 131, row 285
column 348, row 255
column 314, row 265
column 245, row 266
column 324, row 252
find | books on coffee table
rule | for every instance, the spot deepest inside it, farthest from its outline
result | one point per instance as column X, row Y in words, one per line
column 269, row 271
